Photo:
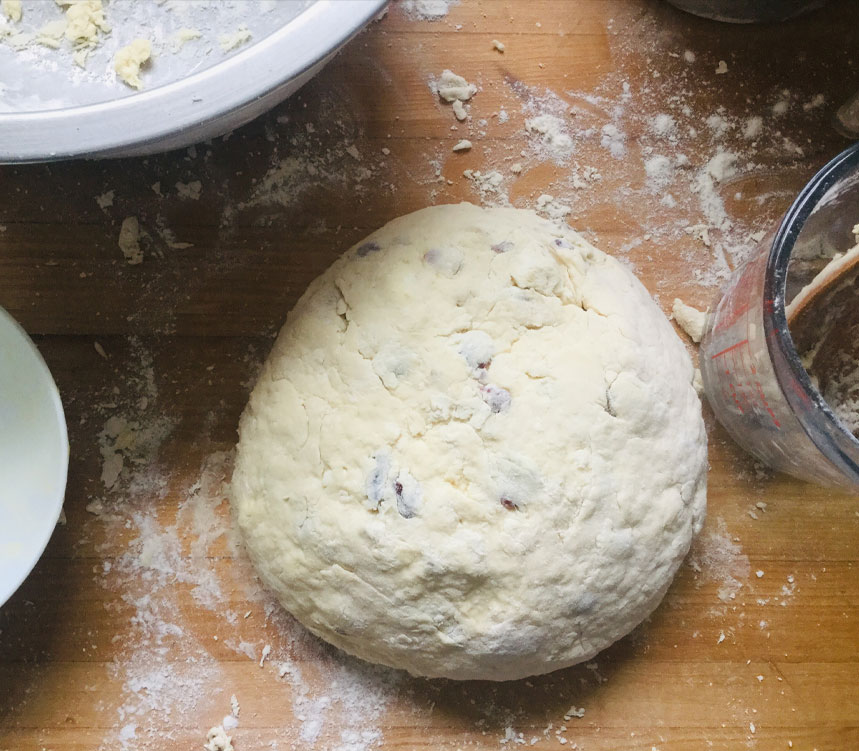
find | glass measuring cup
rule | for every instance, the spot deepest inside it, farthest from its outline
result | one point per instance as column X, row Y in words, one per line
column 752, row 374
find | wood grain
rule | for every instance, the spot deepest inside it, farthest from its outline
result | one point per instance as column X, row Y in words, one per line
column 202, row 318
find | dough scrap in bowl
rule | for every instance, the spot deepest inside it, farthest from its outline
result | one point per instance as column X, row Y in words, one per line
column 475, row 450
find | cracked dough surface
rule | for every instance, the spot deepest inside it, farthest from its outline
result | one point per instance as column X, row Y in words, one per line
column 475, row 450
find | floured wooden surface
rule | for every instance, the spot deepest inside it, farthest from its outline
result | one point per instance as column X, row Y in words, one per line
column 144, row 619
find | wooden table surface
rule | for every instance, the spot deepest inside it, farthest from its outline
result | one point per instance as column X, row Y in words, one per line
column 143, row 617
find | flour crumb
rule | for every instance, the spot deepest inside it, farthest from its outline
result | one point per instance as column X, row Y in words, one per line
column 690, row 319
column 100, row 350
column 84, row 20
column 759, row 574
column 266, row 651
column 230, row 722
column 721, row 68
column 129, row 241
column 459, row 111
column 721, row 637
column 463, row 145
column 487, row 184
column 498, row 45
column 182, row 36
column 129, row 59
column 689, row 56
column 552, row 207
column 354, row 153
column 51, row 33
column 190, row 190
column 105, row 199
column 780, row 107
column 234, row 705
column 698, row 382
column 451, row 87
column 229, row 42
column 818, row 100
column 11, row 9
column 218, row 740
column 574, row 712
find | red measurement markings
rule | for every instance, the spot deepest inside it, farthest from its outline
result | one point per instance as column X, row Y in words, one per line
column 743, row 295
column 743, row 389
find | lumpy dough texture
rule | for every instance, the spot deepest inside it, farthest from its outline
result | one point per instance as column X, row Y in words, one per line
column 475, row 450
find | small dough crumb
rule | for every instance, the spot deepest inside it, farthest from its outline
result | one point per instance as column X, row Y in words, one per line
column 463, row 145
column 85, row 20
column 459, row 110
column 690, row 319
column 229, row 42
column 218, row 740
column 11, row 9
column 190, row 190
column 721, row 68
column 498, row 45
column 698, row 382
column 128, row 60
column 452, row 87
column 80, row 56
column 183, row 35
column 129, row 241
column 105, row 199
column 51, row 33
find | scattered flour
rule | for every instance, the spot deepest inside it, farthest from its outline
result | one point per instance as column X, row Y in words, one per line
column 552, row 207
column 427, row 10
column 129, row 241
column 550, row 135
column 716, row 557
column 659, row 171
column 613, row 140
column 753, row 127
column 663, row 125
column 488, row 185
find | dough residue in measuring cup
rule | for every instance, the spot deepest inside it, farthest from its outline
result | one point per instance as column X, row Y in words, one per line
column 825, row 326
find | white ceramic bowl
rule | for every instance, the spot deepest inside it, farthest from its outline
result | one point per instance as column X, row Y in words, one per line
column 50, row 109
column 34, row 455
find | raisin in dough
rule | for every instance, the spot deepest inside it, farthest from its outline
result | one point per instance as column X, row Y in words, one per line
column 475, row 450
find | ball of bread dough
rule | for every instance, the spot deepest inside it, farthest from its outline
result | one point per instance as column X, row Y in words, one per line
column 475, row 450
